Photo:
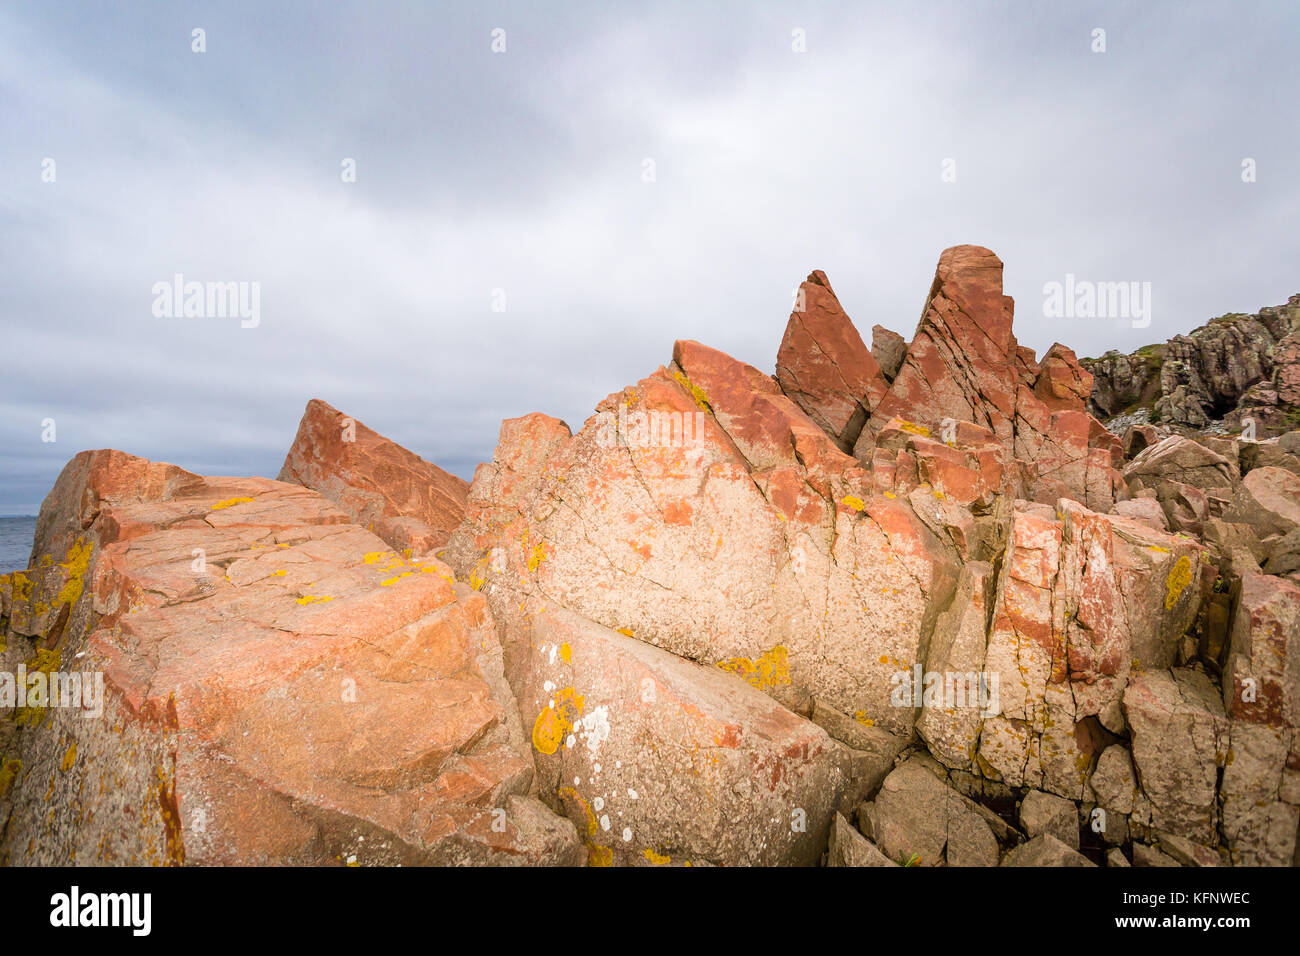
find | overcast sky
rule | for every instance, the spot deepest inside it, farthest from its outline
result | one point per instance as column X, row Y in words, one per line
column 525, row 171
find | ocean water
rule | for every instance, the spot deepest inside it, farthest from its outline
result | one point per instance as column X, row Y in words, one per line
column 16, row 536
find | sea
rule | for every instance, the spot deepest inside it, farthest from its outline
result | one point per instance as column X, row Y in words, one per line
column 16, row 537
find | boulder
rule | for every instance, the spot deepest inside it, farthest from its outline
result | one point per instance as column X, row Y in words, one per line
column 888, row 349
column 917, row 815
column 848, row 847
column 1269, row 501
column 658, row 760
column 279, row 687
column 1045, row 850
column 1179, row 742
column 1047, row 813
column 1182, row 460
column 412, row 504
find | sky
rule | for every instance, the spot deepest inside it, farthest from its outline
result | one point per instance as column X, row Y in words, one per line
column 529, row 228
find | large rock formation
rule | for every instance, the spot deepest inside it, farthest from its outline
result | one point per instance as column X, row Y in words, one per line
column 906, row 606
column 411, row 503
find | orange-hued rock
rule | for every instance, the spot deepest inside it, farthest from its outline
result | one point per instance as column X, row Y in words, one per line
column 410, row 503
column 824, row 365
column 961, row 364
column 279, row 687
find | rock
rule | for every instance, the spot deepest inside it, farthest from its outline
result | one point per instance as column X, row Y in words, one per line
column 1146, row 510
column 1284, row 554
column 754, row 544
column 1186, row 508
column 1074, row 616
column 848, row 847
column 1269, row 501
column 1290, row 443
column 1137, row 439
column 1182, row 460
column 1125, row 383
column 1046, row 813
column 1113, row 780
column 961, row 364
column 278, row 688
column 888, row 349
column 917, row 814
column 412, row 504
column 657, row 760
column 824, row 366
column 1186, row 853
column 1267, row 455
column 1144, row 855
column 1115, row 857
column 1045, row 850
column 872, row 750
column 1179, row 742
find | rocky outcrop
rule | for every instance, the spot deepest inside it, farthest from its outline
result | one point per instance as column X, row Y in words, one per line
column 916, row 607
column 410, row 503
column 1235, row 369
column 824, row 366
column 273, row 684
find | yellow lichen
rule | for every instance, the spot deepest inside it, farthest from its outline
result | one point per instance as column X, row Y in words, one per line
column 314, row 598
column 554, row 723
column 658, row 859
column 697, row 393
column 769, row 670
column 1177, row 582
column 230, row 503
column 69, row 757
column 854, row 502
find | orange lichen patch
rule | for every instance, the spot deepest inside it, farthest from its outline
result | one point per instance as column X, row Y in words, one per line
column 862, row 718
column 314, row 598
column 230, row 503
column 625, row 631
column 1179, row 578
column 769, row 670
column 69, row 757
column 566, row 652
column 599, row 855
column 914, row 429
column 854, row 502
column 658, row 859
column 274, row 574
column 592, row 826
column 554, row 723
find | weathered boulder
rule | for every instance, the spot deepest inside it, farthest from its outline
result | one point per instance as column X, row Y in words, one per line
column 659, row 760
column 1047, row 813
column 1045, row 850
column 278, row 687
column 1180, row 740
column 888, row 349
column 1182, row 460
column 824, row 365
column 917, row 815
column 848, row 847
column 410, row 503
column 1269, row 501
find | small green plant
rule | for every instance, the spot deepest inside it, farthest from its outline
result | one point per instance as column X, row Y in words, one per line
column 909, row 859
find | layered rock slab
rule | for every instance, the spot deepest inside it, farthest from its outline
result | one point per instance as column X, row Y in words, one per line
column 410, row 503
column 280, row 688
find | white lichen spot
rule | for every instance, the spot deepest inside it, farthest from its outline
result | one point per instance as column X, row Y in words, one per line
column 627, row 834
column 604, row 821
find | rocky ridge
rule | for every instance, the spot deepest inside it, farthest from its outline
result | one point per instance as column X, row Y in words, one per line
column 905, row 605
